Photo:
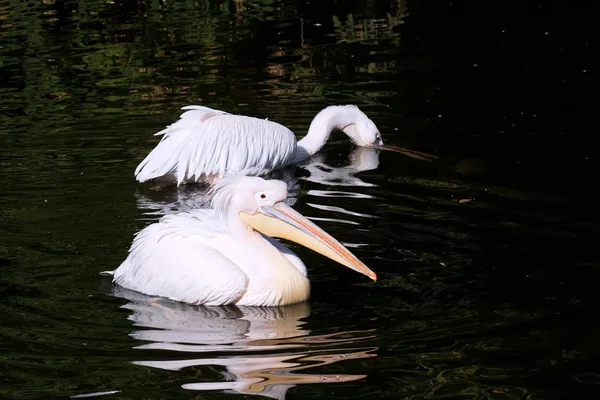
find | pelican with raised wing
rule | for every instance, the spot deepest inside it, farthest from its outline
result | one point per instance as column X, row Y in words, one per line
column 226, row 254
column 205, row 143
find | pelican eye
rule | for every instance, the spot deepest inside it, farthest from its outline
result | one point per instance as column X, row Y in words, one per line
column 263, row 196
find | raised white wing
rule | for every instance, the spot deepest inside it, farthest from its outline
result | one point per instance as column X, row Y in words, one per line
column 175, row 259
column 206, row 143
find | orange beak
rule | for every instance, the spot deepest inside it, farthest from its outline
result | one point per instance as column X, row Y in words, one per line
column 282, row 221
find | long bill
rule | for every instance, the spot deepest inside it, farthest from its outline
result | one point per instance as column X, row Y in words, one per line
column 419, row 155
column 282, row 221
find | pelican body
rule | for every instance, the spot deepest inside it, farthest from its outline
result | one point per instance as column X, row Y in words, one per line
column 226, row 254
column 205, row 143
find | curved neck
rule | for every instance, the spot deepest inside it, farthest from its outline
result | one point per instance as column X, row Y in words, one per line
column 329, row 119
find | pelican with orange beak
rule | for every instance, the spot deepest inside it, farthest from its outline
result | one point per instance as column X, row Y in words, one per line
column 226, row 254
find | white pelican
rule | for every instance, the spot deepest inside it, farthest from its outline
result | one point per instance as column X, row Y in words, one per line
column 221, row 256
column 206, row 143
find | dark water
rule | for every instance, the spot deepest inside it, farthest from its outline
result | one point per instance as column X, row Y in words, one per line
column 488, row 257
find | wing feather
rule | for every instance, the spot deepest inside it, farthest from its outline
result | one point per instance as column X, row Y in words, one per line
column 206, row 142
column 174, row 259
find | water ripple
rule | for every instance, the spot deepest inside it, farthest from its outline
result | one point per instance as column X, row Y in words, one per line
column 228, row 333
column 335, row 193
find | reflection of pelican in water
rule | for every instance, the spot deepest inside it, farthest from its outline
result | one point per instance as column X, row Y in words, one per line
column 361, row 159
column 250, row 333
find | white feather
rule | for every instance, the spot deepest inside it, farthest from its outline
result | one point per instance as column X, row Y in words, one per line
column 177, row 258
column 289, row 254
column 209, row 256
column 207, row 142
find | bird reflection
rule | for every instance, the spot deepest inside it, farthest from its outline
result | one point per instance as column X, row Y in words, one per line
column 361, row 159
column 264, row 350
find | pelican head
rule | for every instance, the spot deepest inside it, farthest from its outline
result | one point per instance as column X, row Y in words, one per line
column 363, row 132
column 360, row 129
column 259, row 203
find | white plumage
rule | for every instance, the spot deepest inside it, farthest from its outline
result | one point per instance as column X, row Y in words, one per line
column 217, row 256
column 162, row 257
column 205, row 143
